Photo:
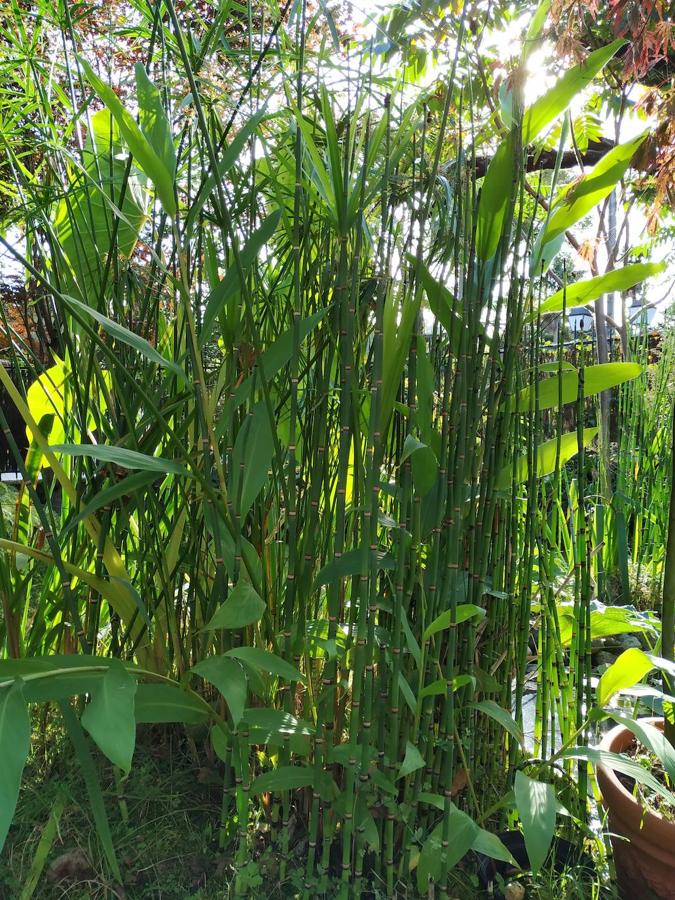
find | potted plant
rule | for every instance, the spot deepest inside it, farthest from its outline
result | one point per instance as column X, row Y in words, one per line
column 643, row 839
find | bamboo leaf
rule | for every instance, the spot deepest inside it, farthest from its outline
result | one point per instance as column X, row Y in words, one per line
column 546, row 456
column 140, row 147
column 617, row 762
column 537, row 806
column 243, row 607
column 462, row 613
column 109, row 716
column 626, row 671
column 582, row 292
column 165, row 703
column 412, row 761
column 266, row 661
column 231, row 283
column 597, row 378
column 120, row 456
column 284, row 778
column 503, row 716
column 251, row 458
column 14, row 747
column 578, row 199
column 153, row 119
column 135, row 341
column 229, row 678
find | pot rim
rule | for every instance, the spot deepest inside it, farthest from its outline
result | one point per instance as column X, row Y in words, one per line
column 610, row 774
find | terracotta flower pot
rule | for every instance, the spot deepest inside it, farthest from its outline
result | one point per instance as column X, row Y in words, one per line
column 644, row 846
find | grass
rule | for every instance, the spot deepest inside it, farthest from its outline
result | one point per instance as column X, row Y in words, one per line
column 169, row 844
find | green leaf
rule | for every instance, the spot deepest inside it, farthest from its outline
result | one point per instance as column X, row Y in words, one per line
column 140, row 147
column 276, row 722
column 153, row 119
column 461, row 613
column 276, row 356
column 228, row 159
column 120, row 456
column 463, row 832
column 556, row 100
column 537, row 805
column 412, row 761
column 582, row 292
column 626, row 671
column 440, row 686
column 617, row 762
column 135, row 341
column 231, row 284
column 266, row 661
column 424, row 464
column 109, row 716
column 243, row 607
column 121, row 489
column 228, row 676
column 284, row 778
column 501, row 715
column 14, row 747
column 164, row 703
column 577, row 199
column 91, row 779
column 251, row 458
column 652, row 738
column 494, row 195
column 547, row 453
column 597, row 378
column 605, row 621
column 349, row 564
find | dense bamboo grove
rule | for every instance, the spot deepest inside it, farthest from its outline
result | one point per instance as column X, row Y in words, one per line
column 307, row 474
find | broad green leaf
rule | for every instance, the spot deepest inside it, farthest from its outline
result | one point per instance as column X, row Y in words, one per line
column 266, row 661
column 494, row 195
column 349, row 564
column 605, row 621
column 461, row 613
column 50, row 401
column 109, row 716
column 620, row 763
column 556, row 100
column 412, row 761
column 537, row 805
column 626, row 671
column 276, row 722
column 120, row 456
column 652, row 738
column 490, row 845
column 123, row 488
column 597, row 378
column 121, row 594
column 166, row 703
column 440, row 686
column 582, row 292
column 140, row 147
column 228, row 676
column 576, row 200
column 251, row 458
column 547, row 453
column 284, row 778
column 423, row 463
column 231, row 283
column 14, row 747
column 501, row 715
column 243, row 607
column 462, row 831
column 93, row 203
column 135, row 341
column 153, row 119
